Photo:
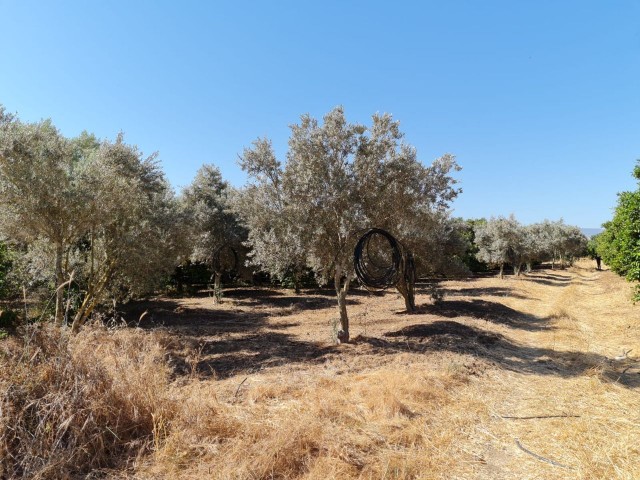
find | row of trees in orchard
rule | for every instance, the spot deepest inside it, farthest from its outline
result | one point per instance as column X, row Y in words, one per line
column 95, row 219
column 619, row 244
column 91, row 220
column 504, row 241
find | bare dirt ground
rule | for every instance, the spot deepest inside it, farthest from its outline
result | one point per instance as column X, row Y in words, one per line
column 529, row 377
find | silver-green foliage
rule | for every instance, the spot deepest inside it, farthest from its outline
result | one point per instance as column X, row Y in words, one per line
column 212, row 224
column 40, row 197
column 503, row 241
column 500, row 240
column 339, row 179
column 101, row 213
column 133, row 229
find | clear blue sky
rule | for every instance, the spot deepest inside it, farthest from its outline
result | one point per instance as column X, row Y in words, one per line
column 539, row 101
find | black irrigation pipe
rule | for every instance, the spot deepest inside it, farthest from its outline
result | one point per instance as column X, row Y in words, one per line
column 371, row 273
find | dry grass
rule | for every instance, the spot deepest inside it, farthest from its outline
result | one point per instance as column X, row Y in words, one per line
column 72, row 405
column 382, row 424
column 532, row 377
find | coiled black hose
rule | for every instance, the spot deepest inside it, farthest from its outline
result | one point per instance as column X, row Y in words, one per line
column 377, row 259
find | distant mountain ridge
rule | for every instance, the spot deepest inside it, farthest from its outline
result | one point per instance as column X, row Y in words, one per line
column 590, row 232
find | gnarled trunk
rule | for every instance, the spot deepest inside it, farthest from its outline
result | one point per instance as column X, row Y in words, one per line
column 406, row 284
column 502, row 270
column 91, row 300
column 342, row 335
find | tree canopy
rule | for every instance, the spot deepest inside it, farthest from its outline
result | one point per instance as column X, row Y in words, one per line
column 339, row 179
column 102, row 214
column 619, row 244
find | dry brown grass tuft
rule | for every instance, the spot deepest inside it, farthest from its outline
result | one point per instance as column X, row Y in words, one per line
column 71, row 405
column 382, row 424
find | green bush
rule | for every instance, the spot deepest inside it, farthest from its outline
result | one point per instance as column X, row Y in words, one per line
column 619, row 244
column 470, row 258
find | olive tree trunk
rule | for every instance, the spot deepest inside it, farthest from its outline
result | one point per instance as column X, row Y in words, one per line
column 92, row 298
column 296, row 282
column 406, row 285
column 342, row 287
column 217, row 289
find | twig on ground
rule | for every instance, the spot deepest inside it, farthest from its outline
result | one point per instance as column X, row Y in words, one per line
column 624, row 356
column 238, row 389
column 539, row 416
column 540, row 457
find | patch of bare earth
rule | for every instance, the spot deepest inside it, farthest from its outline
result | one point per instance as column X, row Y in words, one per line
column 530, row 377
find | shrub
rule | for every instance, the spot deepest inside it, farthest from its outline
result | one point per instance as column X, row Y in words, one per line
column 619, row 244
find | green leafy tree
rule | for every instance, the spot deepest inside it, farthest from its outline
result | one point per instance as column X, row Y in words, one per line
column 619, row 244
column 593, row 245
column 469, row 257
column 6, row 260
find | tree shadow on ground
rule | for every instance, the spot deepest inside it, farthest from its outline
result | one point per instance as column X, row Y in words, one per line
column 252, row 353
column 486, row 292
column 170, row 314
column 493, row 312
column 459, row 338
column 222, row 342
column 355, row 290
column 295, row 302
column 560, row 282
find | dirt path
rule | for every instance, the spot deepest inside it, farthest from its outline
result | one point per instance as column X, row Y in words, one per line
column 583, row 420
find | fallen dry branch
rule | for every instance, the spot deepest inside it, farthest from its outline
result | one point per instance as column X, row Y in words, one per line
column 238, row 389
column 539, row 416
column 540, row 457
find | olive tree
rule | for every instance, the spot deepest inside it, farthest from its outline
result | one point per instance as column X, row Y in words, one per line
column 276, row 234
column 501, row 240
column 40, row 197
column 535, row 245
column 564, row 242
column 212, row 223
column 133, row 229
column 338, row 180
column 101, row 213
